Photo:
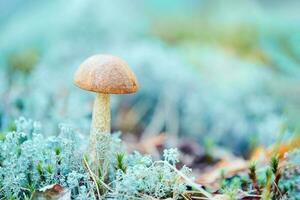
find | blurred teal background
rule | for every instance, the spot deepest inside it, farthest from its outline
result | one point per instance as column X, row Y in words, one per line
column 221, row 71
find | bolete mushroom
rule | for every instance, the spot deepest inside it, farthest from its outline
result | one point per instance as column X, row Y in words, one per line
column 105, row 75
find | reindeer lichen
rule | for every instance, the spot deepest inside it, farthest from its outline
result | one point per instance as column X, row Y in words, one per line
column 30, row 161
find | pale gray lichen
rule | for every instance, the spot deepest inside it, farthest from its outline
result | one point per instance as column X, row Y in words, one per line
column 30, row 161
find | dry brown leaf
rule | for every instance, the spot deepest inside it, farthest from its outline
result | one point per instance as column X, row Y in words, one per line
column 52, row 192
column 283, row 147
column 230, row 167
column 264, row 154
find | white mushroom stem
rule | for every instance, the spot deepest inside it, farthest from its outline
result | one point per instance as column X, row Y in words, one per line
column 101, row 113
column 100, row 121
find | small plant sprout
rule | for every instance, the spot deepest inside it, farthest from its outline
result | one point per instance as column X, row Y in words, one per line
column 120, row 162
column 274, row 164
column 266, row 195
column 253, row 176
column 105, row 75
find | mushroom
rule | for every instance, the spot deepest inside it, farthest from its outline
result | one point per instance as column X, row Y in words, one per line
column 105, row 75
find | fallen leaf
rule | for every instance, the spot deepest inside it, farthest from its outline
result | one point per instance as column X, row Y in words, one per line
column 262, row 154
column 212, row 176
column 52, row 192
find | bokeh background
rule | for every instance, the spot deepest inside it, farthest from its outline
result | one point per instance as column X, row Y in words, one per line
column 223, row 73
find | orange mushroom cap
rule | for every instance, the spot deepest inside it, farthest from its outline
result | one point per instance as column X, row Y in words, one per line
column 106, row 74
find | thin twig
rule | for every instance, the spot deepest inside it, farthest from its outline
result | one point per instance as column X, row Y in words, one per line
column 249, row 195
column 91, row 175
column 278, row 189
column 191, row 195
column 188, row 181
column 104, row 184
column 185, row 197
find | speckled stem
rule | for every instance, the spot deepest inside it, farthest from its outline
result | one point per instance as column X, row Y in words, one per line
column 100, row 121
column 101, row 113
